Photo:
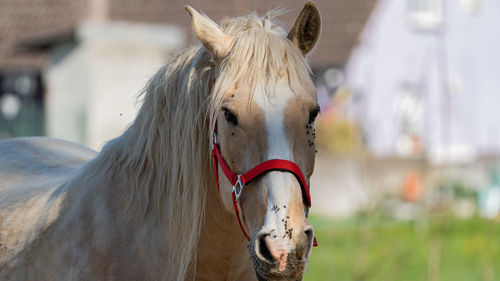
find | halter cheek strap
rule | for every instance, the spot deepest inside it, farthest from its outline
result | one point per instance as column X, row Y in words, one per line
column 239, row 180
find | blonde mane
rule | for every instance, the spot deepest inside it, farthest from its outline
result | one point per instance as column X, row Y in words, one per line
column 165, row 154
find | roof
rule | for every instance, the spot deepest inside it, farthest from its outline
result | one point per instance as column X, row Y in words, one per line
column 36, row 22
column 24, row 19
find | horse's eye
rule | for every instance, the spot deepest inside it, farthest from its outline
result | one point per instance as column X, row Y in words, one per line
column 313, row 114
column 230, row 117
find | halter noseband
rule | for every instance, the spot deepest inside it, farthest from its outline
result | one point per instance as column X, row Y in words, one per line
column 239, row 180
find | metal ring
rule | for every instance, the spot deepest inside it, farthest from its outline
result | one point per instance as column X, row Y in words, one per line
column 237, row 192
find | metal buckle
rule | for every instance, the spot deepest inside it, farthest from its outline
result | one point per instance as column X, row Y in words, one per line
column 215, row 140
column 237, row 192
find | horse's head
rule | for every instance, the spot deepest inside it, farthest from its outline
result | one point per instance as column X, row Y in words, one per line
column 263, row 107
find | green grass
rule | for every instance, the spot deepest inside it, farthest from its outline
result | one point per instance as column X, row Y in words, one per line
column 440, row 248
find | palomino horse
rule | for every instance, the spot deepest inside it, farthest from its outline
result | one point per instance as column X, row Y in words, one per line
column 147, row 206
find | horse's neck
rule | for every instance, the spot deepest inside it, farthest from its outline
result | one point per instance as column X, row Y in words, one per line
column 222, row 252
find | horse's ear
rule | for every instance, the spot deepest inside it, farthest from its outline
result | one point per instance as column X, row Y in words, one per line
column 210, row 34
column 305, row 31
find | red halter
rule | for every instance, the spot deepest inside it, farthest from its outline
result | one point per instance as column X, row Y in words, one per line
column 239, row 180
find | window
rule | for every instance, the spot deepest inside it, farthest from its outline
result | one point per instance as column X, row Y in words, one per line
column 21, row 104
column 425, row 14
column 470, row 7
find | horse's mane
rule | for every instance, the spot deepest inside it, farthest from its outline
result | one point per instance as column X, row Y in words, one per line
column 164, row 155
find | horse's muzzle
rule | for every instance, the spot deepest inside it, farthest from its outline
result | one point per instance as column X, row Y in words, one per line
column 272, row 263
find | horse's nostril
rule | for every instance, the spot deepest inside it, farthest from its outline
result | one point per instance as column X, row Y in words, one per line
column 263, row 250
column 304, row 243
column 309, row 233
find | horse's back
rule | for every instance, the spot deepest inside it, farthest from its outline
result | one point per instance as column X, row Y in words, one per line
column 25, row 162
column 31, row 170
column 34, row 165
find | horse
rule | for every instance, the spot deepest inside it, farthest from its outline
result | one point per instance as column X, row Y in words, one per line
column 158, row 202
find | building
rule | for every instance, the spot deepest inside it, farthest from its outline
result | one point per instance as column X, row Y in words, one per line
column 73, row 69
column 424, row 79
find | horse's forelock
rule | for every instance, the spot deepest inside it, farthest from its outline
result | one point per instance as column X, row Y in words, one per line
column 260, row 56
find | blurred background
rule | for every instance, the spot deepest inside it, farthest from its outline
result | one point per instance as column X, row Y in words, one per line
column 407, row 177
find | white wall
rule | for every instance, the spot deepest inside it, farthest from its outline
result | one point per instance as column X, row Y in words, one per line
column 67, row 81
column 392, row 52
column 93, row 84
